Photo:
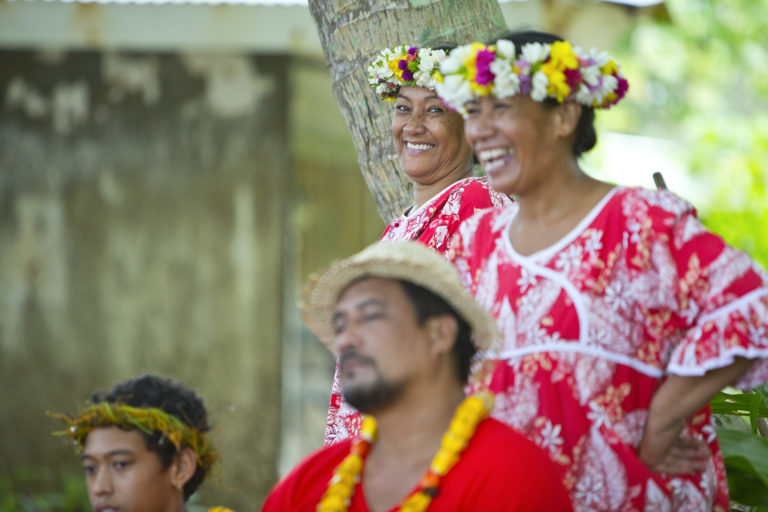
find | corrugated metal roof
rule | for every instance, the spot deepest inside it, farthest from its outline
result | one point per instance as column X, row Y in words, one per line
column 266, row 3
column 633, row 3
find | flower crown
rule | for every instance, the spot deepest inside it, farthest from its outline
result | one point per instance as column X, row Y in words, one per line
column 403, row 65
column 146, row 419
column 558, row 71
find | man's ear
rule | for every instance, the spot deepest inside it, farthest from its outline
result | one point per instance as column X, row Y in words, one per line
column 443, row 330
column 567, row 118
column 183, row 467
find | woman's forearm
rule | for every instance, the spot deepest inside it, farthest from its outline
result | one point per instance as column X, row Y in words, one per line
column 676, row 400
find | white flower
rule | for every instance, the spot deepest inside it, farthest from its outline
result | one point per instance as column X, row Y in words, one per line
column 550, row 436
column 539, row 84
column 590, row 74
column 506, row 83
column 455, row 60
column 505, row 48
column 610, row 83
column 601, row 58
column 535, row 52
column 455, row 92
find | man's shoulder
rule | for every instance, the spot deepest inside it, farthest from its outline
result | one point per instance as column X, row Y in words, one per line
column 499, row 446
column 493, row 432
column 301, row 489
column 326, row 456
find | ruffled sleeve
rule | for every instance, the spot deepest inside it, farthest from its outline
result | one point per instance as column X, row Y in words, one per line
column 722, row 302
column 472, row 196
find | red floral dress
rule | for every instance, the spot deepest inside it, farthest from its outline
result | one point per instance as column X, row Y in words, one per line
column 591, row 325
column 433, row 224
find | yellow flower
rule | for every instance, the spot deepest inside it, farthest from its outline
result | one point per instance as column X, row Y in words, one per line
column 557, row 86
column 416, row 503
column 609, row 68
column 443, row 461
column 352, row 464
column 453, row 443
column 561, row 55
column 394, row 66
column 332, row 503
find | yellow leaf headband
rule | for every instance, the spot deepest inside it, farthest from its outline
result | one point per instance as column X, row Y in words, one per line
column 147, row 419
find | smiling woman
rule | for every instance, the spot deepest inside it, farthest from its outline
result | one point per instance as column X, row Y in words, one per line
column 621, row 314
column 436, row 157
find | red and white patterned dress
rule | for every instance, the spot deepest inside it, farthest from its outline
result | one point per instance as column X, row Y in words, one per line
column 433, row 224
column 591, row 325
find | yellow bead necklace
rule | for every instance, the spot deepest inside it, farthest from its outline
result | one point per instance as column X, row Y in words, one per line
column 341, row 486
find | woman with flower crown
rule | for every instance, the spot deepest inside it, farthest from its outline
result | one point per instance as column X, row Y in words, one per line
column 144, row 446
column 621, row 314
column 436, row 157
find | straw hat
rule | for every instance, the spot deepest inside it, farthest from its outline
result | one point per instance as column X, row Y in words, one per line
column 406, row 260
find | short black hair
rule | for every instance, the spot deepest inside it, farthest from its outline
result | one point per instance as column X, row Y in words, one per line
column 428, row 304
column 585, row 135
column 172, row 397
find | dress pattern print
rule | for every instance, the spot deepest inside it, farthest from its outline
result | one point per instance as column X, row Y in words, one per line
column 592, row 324
column 433, row 224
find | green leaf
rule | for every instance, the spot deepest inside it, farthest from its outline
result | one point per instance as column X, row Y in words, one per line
column 746, row 463
column 741, row 404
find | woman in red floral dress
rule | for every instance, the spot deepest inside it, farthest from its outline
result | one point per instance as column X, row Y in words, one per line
column 621, row 314
column 436, row 157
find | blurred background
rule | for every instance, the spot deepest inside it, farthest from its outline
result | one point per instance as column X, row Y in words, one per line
column 170, row 174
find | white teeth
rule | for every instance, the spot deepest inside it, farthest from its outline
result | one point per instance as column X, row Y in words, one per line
column 488, row 154
column 490, row 166
column 410, row 145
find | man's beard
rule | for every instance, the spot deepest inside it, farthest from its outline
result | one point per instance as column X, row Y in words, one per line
column 371, row 397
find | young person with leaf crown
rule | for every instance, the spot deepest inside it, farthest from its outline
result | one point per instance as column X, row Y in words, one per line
column 622, row 316
column 144, row 446
column 407, row 335
column 436, row 158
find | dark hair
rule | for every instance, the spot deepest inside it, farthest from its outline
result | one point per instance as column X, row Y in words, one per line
column 175, row 399
column 585, row 135
column 427, row 305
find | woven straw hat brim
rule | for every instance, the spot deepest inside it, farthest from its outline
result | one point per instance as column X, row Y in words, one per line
column 406, row 260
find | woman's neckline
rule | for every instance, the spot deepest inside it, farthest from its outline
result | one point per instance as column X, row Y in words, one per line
column 545, row 253
column 411, row 211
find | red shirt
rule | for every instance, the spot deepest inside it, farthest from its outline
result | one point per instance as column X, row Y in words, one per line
column 500, row 471
column 593, row 323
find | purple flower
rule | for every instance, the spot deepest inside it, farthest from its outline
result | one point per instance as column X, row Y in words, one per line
column 402, row 64
column 525, row 85
column 598, row 85
column 412, row 50
column 523, row 65
column 483, row 62
column 407, row 75
column 621, row 90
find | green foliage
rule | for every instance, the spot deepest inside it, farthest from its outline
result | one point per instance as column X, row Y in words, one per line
column 702, row 80
column 746, row 463
column 27, row 489
column 744, row 450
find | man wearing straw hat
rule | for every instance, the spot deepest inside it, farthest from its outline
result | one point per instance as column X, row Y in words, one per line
column 407, row 336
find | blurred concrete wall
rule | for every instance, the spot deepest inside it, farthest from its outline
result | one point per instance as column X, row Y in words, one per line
column 160, row 212
column 142, row 229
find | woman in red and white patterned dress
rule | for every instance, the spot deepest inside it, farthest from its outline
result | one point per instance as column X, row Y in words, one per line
column 621, row 314
column 435, row 155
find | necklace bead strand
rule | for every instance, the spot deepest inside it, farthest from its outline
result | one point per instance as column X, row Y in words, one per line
column 341, row 486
